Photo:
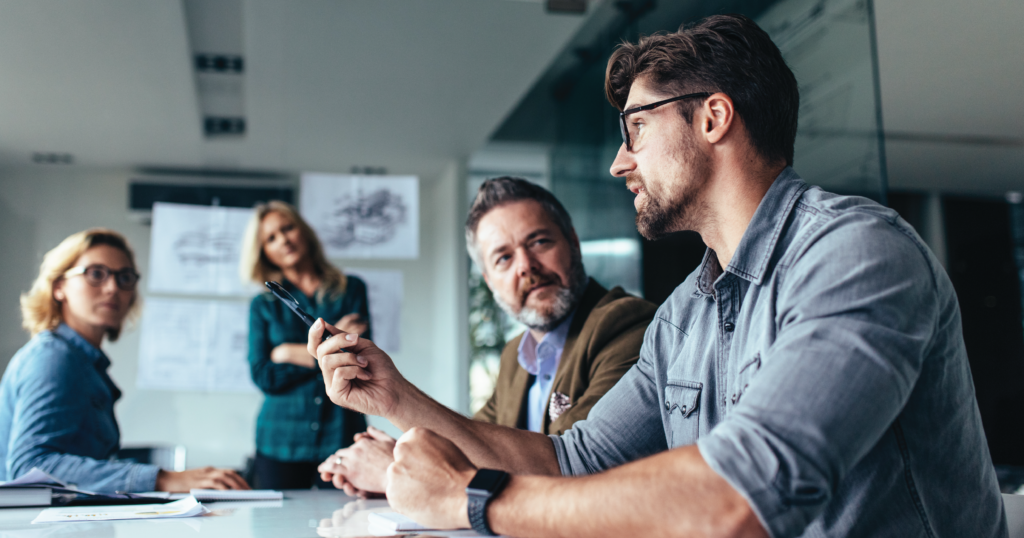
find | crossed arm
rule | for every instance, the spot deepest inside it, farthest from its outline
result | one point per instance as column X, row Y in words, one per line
column 672, row 493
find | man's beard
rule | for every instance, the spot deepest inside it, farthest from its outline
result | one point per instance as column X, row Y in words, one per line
column 565, row 300
column 681, row 210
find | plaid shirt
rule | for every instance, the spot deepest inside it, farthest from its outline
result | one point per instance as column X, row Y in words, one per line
column 298, row 423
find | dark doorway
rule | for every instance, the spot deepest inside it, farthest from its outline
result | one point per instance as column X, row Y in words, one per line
column 984, row 273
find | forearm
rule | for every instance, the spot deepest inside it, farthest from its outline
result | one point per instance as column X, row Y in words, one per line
column 674, row 493
column 486, row 445
column 101, row 476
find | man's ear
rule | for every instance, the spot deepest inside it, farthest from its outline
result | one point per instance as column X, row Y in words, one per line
column 719, row 114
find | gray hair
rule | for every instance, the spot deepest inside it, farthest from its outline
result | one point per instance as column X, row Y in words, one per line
column 505, row 190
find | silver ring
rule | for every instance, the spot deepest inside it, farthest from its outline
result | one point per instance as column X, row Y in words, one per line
column 337, row 460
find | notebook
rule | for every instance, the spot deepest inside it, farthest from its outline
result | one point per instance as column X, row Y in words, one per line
column 214, row 495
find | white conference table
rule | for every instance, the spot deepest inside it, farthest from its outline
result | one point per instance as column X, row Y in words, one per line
column 301, row 513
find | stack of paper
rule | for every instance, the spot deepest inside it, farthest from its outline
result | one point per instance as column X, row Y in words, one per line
column 186, row 507
column 213, row 495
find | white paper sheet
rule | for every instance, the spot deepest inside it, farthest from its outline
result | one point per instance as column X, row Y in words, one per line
column 186, row 507
column 384, row 291
column 363, row 216
column 191, row 344
column 196, row 250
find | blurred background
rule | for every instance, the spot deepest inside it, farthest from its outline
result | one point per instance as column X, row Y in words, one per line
column 109, row 106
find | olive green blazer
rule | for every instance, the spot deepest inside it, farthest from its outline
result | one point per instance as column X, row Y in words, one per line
column 602, row 344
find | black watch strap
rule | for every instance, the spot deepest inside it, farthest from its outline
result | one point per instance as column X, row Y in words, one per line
column 487, row 484
column 478, row 515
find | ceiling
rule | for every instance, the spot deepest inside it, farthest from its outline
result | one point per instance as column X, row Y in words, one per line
column 952, row 79
column 408, row 85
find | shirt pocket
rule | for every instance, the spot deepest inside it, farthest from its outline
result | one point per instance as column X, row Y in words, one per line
column 682, row 399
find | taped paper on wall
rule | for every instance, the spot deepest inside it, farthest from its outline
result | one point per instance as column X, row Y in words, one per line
column 384, row 292
column 194, row 345
column 196, row 250
column 363, row 216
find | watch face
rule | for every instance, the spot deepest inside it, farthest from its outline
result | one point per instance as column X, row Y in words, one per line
column 487, row 480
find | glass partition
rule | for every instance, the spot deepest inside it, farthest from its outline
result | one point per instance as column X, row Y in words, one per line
column 830, row 46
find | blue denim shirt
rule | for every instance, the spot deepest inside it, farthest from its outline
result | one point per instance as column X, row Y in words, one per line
column 823, row 374
column 57, row 413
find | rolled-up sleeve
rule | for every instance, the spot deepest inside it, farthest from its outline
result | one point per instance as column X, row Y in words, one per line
column 841, row 368
column 624, row 425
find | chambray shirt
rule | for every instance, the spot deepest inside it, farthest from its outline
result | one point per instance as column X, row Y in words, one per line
column 297, row 422
column 823, row 374
column 57, row 413
column 541, row 361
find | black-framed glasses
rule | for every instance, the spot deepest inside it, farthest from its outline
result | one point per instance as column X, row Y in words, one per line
column 627, row 136
column 96, row 274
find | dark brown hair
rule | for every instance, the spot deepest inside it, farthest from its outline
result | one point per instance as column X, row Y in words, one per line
column 722, row 53
column 505, row 190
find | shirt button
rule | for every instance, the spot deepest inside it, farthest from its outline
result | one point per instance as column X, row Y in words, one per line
column 547, row 378
column 314, row 426
column 318, row 400
column 729, row 327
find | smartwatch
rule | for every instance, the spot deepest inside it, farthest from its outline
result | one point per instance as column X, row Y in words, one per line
column 485, row 486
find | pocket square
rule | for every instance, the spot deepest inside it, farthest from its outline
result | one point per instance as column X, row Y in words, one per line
column 559, row 404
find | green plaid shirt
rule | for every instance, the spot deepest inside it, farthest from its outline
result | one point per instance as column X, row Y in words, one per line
column 298, row 423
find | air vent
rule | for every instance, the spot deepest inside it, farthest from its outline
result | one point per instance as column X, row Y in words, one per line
column 44, row 157
column 215, row 36
column 219, row 126
column 219, row 63
column 566, row 6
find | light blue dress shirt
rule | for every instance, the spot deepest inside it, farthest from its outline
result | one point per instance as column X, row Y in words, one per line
column 541, row 361
column 57, row 414
column 822, row 373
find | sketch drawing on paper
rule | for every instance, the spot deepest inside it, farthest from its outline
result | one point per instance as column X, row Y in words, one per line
column 200, row 247
column 363, row 216
column 196, row 249
column 370, row 219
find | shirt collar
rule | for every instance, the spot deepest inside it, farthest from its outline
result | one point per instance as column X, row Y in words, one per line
column 97, row 356
column 750, row 261
column 556, row 338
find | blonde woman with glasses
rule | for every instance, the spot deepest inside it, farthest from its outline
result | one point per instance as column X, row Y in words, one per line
column 56, row 399
column 298, row 426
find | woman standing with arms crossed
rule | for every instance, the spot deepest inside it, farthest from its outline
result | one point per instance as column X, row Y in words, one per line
column 298, row 426
column 56, row 399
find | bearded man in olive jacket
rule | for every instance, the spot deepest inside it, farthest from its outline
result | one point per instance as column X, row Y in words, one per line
column 580, row 338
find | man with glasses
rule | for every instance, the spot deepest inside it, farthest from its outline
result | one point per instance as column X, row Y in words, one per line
column 808, row 378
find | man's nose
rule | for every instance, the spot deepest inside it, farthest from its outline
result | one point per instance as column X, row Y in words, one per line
column 623, row 163
column 525, row 264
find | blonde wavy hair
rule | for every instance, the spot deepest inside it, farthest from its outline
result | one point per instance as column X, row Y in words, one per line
column 255, row 267
column 39, row 310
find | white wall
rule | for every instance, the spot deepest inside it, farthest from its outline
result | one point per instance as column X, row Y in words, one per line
column 40, row 206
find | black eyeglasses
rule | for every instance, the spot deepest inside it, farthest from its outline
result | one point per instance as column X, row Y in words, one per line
column 96, row 274
column 625, row 128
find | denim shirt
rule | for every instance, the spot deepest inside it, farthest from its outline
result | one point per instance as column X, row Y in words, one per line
column 57, row 414
column 297, row 422
column 823, row 374
column 541, row 361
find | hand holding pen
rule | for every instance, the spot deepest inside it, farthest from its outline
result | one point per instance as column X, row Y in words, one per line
column 357, row 374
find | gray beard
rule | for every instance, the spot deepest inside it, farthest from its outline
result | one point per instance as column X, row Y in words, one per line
column 566, row 300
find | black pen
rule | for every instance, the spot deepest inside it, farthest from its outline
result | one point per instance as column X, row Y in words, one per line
column 289, row 301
